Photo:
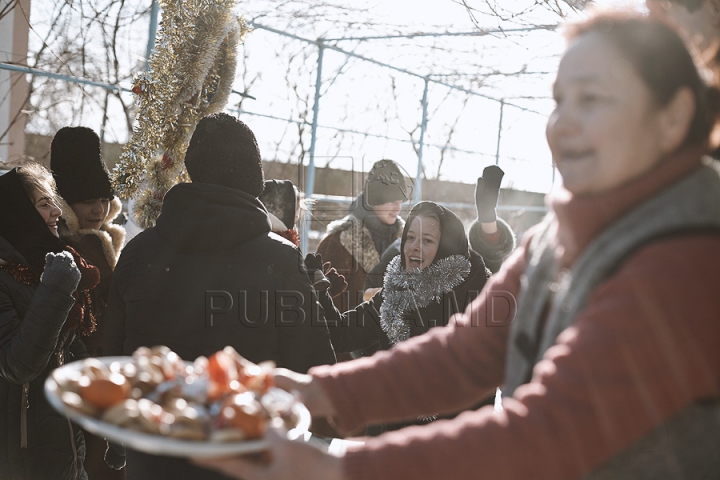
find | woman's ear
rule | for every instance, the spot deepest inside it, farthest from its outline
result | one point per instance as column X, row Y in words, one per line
column 676, row 118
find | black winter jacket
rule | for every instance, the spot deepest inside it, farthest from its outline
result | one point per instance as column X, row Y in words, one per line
column 208, row 275
column 211, row 274
column 31, row 319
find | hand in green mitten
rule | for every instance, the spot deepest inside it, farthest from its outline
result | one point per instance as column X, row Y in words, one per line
column 487, row 191
column 60, row 273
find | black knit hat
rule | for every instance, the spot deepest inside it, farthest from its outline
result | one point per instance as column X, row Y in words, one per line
column 386, row 183
column 223, row 151
column 78, row 168
column 280, row 199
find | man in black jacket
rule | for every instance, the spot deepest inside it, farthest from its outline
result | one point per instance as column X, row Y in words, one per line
column 210, row 274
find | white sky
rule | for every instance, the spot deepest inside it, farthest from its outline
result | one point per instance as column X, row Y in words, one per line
column 355, row 99
column 362, row 97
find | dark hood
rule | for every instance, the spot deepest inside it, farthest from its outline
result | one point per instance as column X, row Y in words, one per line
column 206, row 217
column 22, row 227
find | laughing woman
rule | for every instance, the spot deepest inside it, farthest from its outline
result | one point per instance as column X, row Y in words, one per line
column 43, row 311
column 435, row 276
column 611, row 366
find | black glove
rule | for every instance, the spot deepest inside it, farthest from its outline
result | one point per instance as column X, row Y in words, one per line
column 486, row 194
column 60, row 273
column 314, row 266
column 115, row 456
column 338, row 283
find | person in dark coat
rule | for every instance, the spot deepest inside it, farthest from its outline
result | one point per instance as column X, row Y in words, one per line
column 211, row 274
column 353, row 244
column 89, row 206
column 44, row 309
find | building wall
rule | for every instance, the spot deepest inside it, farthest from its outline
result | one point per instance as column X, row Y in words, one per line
column 13, row 86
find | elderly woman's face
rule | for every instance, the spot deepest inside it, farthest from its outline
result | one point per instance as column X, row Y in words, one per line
column 421, row 243
column 45, row 205
column 605, row 129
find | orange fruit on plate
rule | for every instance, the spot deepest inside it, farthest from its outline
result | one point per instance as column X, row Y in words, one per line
column 103, row 393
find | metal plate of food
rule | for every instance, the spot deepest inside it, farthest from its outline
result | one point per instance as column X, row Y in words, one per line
column 158, row 404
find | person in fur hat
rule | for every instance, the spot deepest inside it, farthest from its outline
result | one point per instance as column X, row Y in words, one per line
column 89, row 206
column 353, row 244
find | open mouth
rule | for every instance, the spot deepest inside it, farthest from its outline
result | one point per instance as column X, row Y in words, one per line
column 414, row 262
column 573, row 156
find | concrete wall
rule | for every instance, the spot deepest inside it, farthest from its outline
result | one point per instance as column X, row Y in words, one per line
column 342, row 183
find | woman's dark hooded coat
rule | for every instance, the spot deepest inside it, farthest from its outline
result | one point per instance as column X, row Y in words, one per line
column 453, row 280
column 31, row 339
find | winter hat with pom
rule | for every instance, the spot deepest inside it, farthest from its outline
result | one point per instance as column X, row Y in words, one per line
column 78, row 168
column 223, row 151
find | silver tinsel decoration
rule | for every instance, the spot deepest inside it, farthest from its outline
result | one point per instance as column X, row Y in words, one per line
column 403, row 291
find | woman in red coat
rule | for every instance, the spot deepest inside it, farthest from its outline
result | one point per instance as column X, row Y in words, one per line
column 608, row 356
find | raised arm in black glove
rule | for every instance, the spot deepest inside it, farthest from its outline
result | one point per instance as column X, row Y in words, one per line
column 487, row 191
column 60, row 274
column 338, row 284
column 314, row 266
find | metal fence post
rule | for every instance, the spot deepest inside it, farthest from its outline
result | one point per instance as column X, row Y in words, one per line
column 154, row 11
column 417, row 193
column 310, row 178
column 497, row 149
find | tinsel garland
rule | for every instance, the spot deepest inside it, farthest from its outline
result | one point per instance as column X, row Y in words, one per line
column 190, row 76
column 404, row 291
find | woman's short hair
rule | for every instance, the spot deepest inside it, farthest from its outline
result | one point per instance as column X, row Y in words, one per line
column 661, row 59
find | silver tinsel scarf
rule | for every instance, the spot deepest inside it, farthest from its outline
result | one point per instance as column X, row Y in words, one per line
column 403, row 291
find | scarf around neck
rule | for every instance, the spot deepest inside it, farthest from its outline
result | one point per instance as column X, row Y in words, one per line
column 381, row 233
column 579, row 219
column 404, row 291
